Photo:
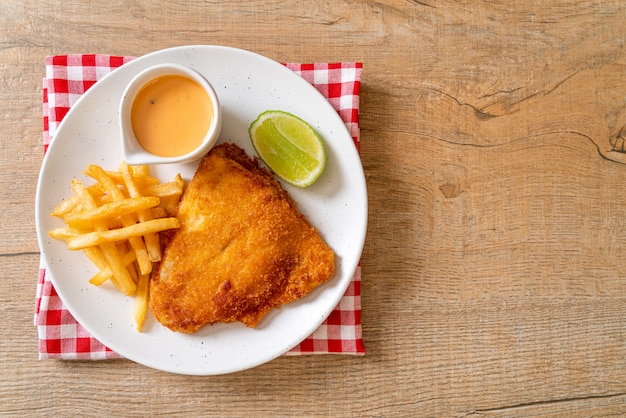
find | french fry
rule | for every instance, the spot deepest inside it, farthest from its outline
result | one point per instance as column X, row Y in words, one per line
column 173, row 188
column 63, row 233
column 159, row 213
column 141, row 301
column 140, row 170
column 120, row 277
column 101, row 277
column 94, row 254
column 132, row 271
column 113, row 209
column 65, row 207
column 90, row 239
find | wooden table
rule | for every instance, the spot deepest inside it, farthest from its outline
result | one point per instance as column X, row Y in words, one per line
column 494, row 269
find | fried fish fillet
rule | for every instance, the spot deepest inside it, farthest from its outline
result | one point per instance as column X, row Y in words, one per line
column 242, row 248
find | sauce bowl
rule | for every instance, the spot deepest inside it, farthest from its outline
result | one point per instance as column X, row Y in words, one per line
column 132, row 151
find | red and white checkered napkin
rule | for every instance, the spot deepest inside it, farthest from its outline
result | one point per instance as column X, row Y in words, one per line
column 69, row 76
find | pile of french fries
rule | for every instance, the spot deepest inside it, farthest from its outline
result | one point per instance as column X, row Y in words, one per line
column 116, row 222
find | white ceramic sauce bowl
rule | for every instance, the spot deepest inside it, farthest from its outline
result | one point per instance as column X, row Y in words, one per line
column 132, row 152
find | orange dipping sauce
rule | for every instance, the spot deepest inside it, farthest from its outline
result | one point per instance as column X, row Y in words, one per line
column 171, row 115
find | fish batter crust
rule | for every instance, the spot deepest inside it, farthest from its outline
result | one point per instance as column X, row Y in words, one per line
column 242, row 248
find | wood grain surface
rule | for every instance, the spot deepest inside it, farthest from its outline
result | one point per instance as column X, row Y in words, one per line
column 494, row 269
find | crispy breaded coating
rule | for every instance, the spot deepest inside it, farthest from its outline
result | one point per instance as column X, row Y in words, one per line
column 242, row 249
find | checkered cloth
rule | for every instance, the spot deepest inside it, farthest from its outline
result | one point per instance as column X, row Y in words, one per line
column 67, row 78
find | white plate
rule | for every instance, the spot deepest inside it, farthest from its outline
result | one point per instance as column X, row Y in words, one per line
column 336, row 204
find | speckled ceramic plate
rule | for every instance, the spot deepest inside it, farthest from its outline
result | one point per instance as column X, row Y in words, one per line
column 336, row 204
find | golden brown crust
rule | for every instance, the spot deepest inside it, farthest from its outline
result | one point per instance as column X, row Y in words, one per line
column 243, row 248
